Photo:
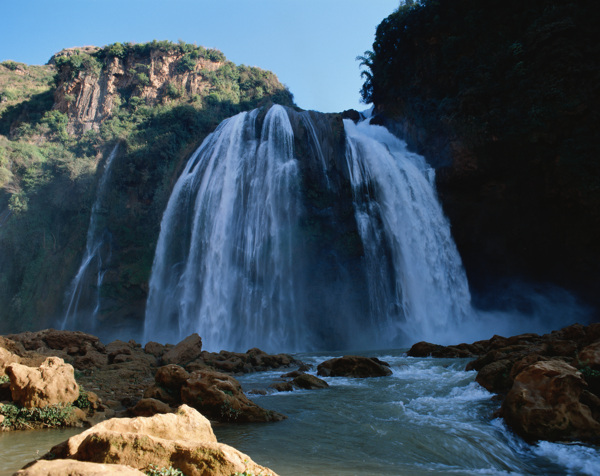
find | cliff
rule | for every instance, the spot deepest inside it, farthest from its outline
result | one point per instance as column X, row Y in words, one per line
column 501, row 97
column 58, row 125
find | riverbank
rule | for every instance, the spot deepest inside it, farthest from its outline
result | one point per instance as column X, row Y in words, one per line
column 436, row 402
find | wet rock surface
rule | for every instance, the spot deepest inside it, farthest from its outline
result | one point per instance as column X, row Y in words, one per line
column 354, row 366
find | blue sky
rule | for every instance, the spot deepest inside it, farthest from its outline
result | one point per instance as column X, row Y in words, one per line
column 310, row 44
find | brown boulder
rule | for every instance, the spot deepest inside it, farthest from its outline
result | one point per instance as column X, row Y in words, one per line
column 50, row 384
column 220, row 397
column 69, row 467
column 354, row 366
column 149, row 406
column 187, row 350
column 171, row 377
column 426, row 349
column 545, row 403
column 7, row 358
column 309, row 382
column 183, row 440
column 155, row 349
column 495, row 376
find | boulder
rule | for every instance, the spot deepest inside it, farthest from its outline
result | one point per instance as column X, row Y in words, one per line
column 155, row 349
column 309, row 382
column 51, row 384
column 69, row 467
column 426, row 349
column 545, row 403
column 220, row 397
column 186, row 351
column 183, row 440
column 7, row 358
column 171, row 377
column 149, row 406
column 354, row 366
column 495, row 376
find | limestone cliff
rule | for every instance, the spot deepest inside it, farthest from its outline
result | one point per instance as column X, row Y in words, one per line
column 90, row 96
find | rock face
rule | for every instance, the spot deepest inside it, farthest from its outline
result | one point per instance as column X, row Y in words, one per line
column 51, row 384
column 545, row 403
column 354, row 366
column 183, row 440
column 90, row 98
column 76, row 468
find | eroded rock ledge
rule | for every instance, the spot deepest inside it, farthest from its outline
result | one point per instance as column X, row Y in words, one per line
column 549, row 384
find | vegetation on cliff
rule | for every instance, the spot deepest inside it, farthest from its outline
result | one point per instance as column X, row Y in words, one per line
column 58, row 123
column 504, row 96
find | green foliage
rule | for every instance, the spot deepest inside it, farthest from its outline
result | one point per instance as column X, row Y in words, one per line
column 12, row 65
column 589, row 373
column 57, row 123
column 72, row 65
column 116, row 50
column 82, row 401
column 170, row 471
column 4, row 379
column 187, row 62
column 20, row 418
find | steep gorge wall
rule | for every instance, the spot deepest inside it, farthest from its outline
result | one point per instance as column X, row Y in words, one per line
column 502, row 98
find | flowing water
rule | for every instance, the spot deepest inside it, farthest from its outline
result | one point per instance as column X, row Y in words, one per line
column 83, row 297
column 240, row 258
column 429, row 417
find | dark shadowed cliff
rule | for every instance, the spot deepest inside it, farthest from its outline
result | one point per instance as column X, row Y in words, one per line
column 503, row 98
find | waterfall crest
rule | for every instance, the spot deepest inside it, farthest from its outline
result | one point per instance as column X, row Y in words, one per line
column 83, row 296
column 255, row 251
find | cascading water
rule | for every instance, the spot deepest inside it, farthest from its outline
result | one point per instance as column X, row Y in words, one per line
column 226, row 259
column 83, row 297
column 250, row 252
column 417, row 285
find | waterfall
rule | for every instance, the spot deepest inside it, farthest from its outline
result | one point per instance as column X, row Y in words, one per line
column 83, row 296
column 417, row 285
column 252, row 254
column 226, row 259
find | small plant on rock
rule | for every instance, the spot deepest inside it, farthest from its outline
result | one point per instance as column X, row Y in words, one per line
column 170, row 471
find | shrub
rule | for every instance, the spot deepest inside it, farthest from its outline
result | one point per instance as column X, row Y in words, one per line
column 20, row 418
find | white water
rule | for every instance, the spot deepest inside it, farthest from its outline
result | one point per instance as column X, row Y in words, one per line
column 83, row 297
column 429, row 417
column 226, row 260
column 244, row 260
column 419, row 285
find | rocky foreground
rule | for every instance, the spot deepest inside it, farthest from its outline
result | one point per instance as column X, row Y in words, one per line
column 149, row 406
column 549, row 385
